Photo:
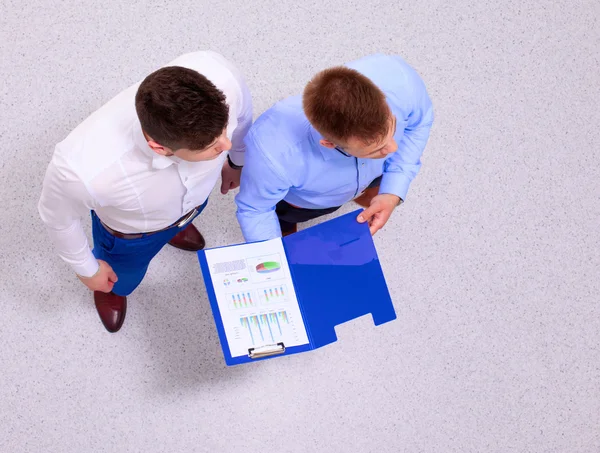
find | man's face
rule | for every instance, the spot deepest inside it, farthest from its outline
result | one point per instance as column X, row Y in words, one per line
column 212, row 151
column 378, row 149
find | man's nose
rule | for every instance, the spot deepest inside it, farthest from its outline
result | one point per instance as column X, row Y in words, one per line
column 389, row 149
column 226, row 144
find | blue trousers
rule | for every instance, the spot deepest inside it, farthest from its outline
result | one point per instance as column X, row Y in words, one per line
column 130, row 258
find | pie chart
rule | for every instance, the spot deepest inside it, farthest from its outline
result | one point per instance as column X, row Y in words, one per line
column 268, row 267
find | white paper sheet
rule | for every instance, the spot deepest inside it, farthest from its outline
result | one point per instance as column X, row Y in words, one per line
column 256, row 296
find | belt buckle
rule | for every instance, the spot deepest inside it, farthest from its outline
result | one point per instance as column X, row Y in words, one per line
column 187, row 218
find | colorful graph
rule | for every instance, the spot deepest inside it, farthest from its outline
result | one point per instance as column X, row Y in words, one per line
column 265, row 327
column 245, row 322
column 252, row 325
column 226, row 282
column 283, row 316
column 273, row 294
column 267, row 267
column 241, row 300
column 242, row 280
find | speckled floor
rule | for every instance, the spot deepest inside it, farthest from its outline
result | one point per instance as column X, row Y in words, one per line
column 493, row 262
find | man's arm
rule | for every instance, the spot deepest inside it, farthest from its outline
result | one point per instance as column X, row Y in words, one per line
column 64, row 199
column 402, row 166
column 231, row 173
column 262, row 187
column 244, row 119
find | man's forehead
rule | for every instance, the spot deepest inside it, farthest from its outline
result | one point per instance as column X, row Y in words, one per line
column 359, row 143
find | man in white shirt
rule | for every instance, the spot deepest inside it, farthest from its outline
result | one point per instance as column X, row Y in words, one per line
column 144, row 165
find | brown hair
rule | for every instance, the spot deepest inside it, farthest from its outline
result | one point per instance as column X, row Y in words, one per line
column 341, row 103
column 180, row 108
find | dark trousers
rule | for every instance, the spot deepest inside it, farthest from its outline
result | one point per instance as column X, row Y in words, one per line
column 130, row 258
column 289, row 215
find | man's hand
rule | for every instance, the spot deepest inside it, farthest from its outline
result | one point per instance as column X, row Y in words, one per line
column 380, row 210
column 104, row 280
column 230, row 178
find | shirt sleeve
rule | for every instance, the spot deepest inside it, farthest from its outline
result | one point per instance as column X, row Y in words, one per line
column 63, row 202
column 402, row 166
column 244, row 118
column 262, row 187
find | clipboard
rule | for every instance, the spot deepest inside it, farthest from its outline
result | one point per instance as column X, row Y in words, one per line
column 336, row 277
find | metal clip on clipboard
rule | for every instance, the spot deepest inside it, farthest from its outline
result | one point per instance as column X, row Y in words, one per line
column 266, row 351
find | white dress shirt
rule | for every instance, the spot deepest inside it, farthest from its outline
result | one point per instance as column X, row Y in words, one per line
column 106, row 165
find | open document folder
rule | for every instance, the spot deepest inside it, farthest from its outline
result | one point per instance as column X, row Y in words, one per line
column 286, row 295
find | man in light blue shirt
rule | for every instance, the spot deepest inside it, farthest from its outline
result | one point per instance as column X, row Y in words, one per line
column 357, row 132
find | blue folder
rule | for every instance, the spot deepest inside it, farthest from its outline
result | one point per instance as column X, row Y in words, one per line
column 337, row 277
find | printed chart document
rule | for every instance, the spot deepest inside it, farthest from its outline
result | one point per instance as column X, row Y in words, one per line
column 285, row 296
column 256, row 296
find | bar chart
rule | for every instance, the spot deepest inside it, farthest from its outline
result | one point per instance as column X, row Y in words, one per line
column 241, row 300
column 273, row 294
column 266, row 327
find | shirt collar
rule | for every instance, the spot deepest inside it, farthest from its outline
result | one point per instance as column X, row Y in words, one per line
column 158, row 162
column 316, row 137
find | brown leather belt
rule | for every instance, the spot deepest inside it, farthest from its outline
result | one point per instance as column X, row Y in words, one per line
column 183, row 220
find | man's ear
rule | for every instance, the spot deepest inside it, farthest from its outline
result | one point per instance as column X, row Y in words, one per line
column 326, row 143
column 158, row 148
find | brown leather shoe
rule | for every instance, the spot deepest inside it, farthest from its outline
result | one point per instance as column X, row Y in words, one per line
column 112, row 309
column 189, row 239
column 287, row 233
column 364, row 199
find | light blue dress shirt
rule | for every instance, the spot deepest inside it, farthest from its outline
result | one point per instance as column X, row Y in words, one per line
column 284, row 160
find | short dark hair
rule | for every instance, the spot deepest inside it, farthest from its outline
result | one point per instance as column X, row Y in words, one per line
column 181, row 108
column 342, row 103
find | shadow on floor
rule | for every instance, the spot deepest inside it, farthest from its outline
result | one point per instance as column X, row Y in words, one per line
column 182, row 339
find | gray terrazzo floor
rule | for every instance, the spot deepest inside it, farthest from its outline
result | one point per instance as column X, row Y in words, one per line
column 493, row 261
